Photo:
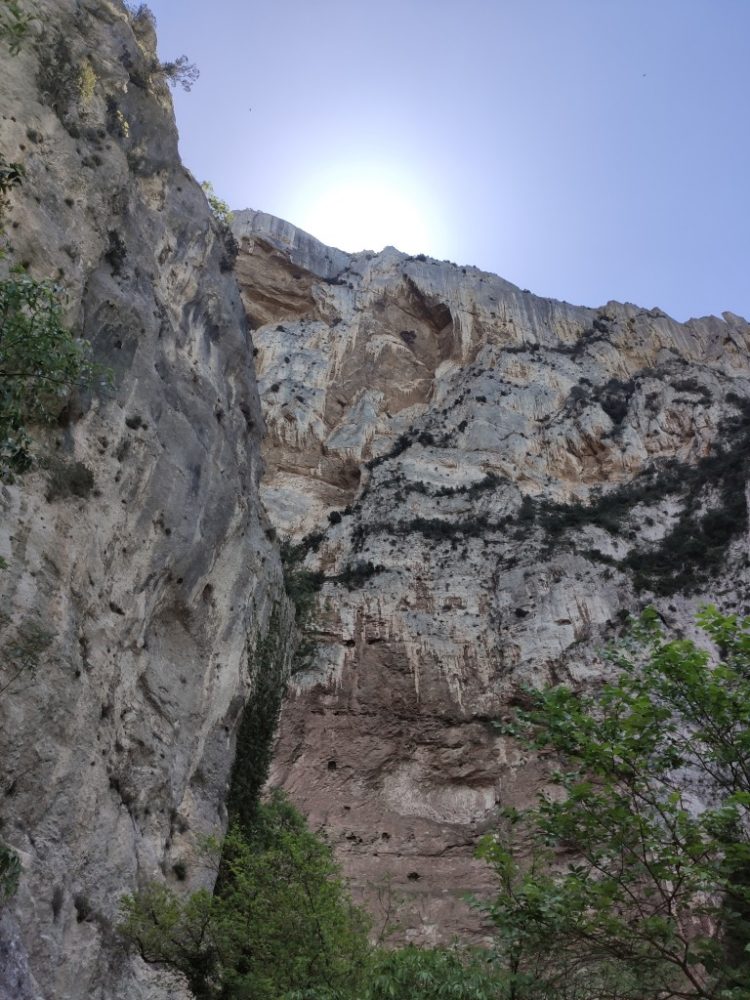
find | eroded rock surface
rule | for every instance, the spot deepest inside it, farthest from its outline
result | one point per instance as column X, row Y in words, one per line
column 485, row 482
column 143, row 583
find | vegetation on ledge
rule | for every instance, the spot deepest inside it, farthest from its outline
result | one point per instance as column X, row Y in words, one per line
column 616, row 885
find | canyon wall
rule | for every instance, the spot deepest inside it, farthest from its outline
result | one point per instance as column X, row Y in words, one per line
column 480, row 484
column 475, row 484
column 140, row 572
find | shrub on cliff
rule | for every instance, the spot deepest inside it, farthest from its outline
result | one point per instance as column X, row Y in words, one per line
column 223, row 217
column 15, row 22
column 279, row 925
column 10, row 873
column 621, row 882
column 432, row 974
column 41, row 363
column 180, row 72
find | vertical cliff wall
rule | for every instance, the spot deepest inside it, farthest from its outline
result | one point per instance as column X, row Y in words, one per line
column 483, row 483
column 139, row 567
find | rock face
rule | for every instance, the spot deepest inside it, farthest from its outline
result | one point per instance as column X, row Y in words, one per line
column 482, row 483
column 135, row 591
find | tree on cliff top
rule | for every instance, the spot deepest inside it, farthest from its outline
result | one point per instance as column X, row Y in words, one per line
column 633, row 880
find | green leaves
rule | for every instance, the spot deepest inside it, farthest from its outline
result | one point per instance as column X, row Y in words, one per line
column 432, row 974
column 15, row 23
column 219, row 208
column 280, row 924
column 10, row 873
column 41, row 363
column 658, row 895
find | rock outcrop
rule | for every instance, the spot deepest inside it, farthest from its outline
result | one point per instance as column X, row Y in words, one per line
column 477, row 483
column 481, row 483
column 139, row 568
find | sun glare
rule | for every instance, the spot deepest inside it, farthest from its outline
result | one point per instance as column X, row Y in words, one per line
column 367, row 211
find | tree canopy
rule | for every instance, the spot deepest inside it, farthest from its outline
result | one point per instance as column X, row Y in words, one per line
column 630, row 878
column 280, row 923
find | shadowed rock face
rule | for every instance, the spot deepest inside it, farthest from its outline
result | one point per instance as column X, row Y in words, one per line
column 150, row 589
column 512, row 475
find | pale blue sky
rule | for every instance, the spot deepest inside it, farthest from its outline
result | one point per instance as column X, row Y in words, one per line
column 585, row 149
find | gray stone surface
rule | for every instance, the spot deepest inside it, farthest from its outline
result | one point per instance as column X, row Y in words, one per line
column 115, row 751
column 506, row 398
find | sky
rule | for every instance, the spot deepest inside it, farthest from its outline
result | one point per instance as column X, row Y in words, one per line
column 587, row 150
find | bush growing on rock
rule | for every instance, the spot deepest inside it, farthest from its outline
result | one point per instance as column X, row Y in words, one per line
column 180, row 72
column 41, row 363
column 223, row 217
column 280, row 923
column 15, row 22
column 637, row 865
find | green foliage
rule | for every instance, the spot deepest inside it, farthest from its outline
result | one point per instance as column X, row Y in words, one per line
column 15, row 23
column 69, row 479
column 302, row 587
column 403, row 441
column 180, row 72
column 713, row 511
column 20, row 657
column 10, row 873
column 86, row 81
column 656, row 899
column 223, row 217
column 254, row 747
column 219, row 209
column 41, row 363
column 21, row 651
column 354, row 574
column 11, row 176
column 280, row 927
column 141, row 13
column 58, row 76
column 432, row 974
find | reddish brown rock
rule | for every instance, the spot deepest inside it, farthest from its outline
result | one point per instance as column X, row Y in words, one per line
column 436, row 413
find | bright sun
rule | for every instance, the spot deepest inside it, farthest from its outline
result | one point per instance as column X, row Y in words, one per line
column 367, row 210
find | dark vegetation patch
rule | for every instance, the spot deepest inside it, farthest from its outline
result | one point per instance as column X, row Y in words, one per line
column 301, row 585
column 616, row 395
column 403, row 441
column 254, row 746
column 56, row 75
column 693, row 386
column 230, row 249
column 439, row 530
column 713, row 512
column 435, row 528
column 355, row 574
column 472, row 490
column 69, row 479
column 116, row 252
column 614, row 398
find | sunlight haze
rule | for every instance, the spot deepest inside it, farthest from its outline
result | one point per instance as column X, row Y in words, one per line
column 585, row 149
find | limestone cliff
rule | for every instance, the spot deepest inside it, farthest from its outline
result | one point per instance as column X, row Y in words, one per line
column 139, row 568
column 482, row 483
